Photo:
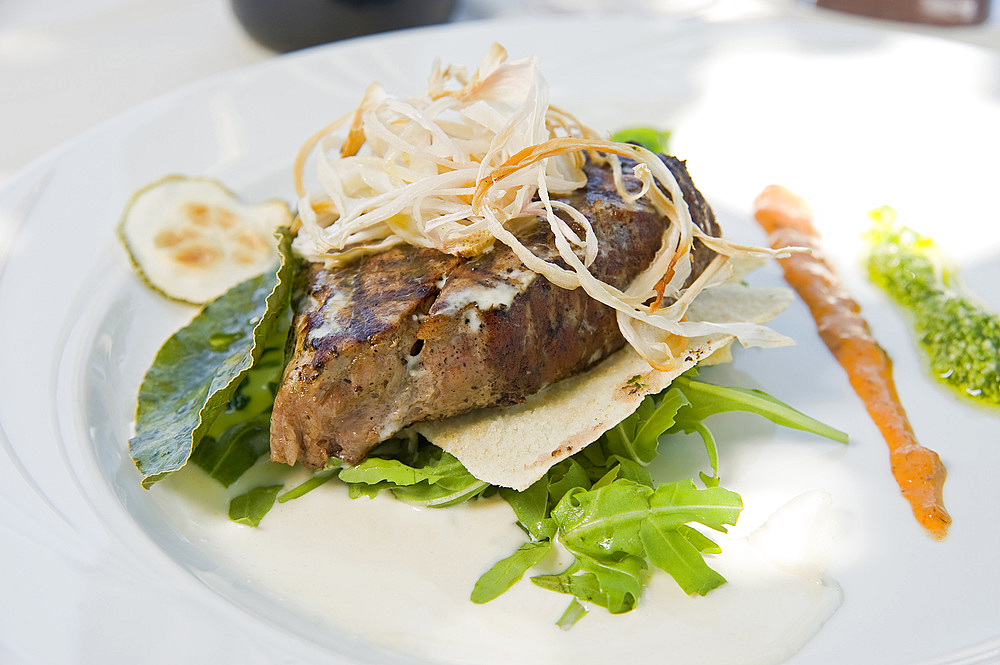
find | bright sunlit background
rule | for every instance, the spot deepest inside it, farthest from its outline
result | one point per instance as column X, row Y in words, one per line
column 66, row 66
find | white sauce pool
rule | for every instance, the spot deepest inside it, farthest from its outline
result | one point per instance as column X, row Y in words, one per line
column 399, row 577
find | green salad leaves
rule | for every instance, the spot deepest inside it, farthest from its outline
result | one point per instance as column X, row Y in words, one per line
column 603, row 506
column 425, row 476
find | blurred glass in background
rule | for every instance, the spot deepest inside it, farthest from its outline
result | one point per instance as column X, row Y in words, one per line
column 287, row 25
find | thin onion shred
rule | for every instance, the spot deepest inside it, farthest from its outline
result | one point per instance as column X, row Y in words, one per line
column 457, row 169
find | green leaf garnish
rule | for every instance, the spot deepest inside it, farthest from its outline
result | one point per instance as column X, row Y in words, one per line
column 506, row 572
column 574, row 612
column 193, row 379
column 649, row 138
column 614, row 530
column 589, row 586
column 601, row 504
column 531, row 507
column 606, row 510
column 708, row 399
column 606, row 521
column 250, row 508
column 240, row 436
column 435, row 479
column 567, row 475
column 254, row 396
column 234, row 451
column 671, row 550
column 636, row 438
column 304, row 488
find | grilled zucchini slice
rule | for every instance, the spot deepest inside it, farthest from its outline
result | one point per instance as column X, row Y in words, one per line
column 191, row 239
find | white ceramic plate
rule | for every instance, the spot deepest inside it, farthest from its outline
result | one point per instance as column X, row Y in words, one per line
column 94, row 571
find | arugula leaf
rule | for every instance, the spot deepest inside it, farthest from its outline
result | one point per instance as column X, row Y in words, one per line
column 678, row 503
column 374, row 470
column 197, row 371
column 229, row 455
column 604, row 507
column 647, row 137
column 531, row 507
column 634, row 471
column 507, row 572
column 441, row 494
column 250, row 508
column 583, row 586
column 672, row 551
column 636, row 437
column 586, row 586
column 615, row 529
column 607, row 520
column 436, row 479
column 621, row 578
column 319, row 478
column 707, row 399
column 574, row 612
column 659, row 420
column 634, row 442
column 567, row 475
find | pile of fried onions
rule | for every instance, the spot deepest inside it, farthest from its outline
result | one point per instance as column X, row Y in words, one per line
column 464, row 166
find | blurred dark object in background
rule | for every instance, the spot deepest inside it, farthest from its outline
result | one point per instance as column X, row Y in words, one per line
column 930, row 12
column 287, row 25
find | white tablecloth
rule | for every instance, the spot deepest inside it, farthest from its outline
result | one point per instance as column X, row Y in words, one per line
column 67, row 65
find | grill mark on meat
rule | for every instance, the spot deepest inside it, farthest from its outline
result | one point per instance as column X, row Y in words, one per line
column 412, row 334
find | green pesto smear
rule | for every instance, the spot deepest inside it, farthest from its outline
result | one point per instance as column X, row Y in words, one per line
column 959, row 335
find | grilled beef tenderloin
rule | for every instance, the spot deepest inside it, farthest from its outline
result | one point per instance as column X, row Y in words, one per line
column 412, row 334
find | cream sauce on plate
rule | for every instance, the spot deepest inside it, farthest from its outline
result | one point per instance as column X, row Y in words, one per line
column 399, row 578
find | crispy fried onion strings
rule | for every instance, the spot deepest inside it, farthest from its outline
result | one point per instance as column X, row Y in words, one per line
column 464, row 167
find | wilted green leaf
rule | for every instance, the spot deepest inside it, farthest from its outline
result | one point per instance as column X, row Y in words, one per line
column 197, row 370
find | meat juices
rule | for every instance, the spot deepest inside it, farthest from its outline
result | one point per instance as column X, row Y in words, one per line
column 413, row 334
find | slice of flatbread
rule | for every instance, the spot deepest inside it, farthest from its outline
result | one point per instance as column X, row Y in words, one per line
column 515, row 446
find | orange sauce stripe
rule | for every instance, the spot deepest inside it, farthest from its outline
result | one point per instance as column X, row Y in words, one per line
column 787, row 219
